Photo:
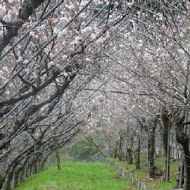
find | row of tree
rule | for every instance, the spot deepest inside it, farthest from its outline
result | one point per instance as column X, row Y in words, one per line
column 55, row 55
column 150, row 89
column 50, row 50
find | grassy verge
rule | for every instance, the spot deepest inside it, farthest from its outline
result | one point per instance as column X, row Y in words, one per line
column 76, row 176
column 153, row 184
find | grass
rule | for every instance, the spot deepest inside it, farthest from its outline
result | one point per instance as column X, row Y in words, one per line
column 153, row 184
column 76, row 176
column 173, row 174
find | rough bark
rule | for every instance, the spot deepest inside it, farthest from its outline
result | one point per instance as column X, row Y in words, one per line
column 44, row 159
column 186, row 164
column 183, row 139
column 11, row 168
column 151, row 148
column 129, row 156
column 129, row 151
column 1, row 182
column 166, row 147
column 35, row 162
column 16, row 177
column 21, row 172
column 115, row 150
column 9, row 177
column 58, row 159
column 137, row 156
column 180, row 175
column 120, row 152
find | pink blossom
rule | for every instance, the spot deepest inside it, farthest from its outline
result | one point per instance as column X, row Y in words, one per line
column 34, row 75
column 88, row 59
column 64, row 57
column 3, row 11
column 25, row 62
column 129, row 4
column 7, row 18
column 51, row 65
column 111, row 29
column 83, row 15
column 93, row 36
column 2, row 78
column 83, row 3
column 5, row 69
column 65, row 74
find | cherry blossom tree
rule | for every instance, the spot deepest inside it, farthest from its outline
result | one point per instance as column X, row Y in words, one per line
column 49, row 52
column 56, row 55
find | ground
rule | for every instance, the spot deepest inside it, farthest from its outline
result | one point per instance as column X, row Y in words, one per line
column 77, row 176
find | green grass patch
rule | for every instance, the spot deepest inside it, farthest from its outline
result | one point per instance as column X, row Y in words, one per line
column 153, row 184
column 165, row 185
column 76, row 176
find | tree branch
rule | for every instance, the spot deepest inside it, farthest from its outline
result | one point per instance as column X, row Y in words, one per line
column 27, row 9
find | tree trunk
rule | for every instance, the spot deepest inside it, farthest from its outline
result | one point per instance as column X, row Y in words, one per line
column 35, row 163
column 58, row 159
column 57, row 154
column 21, row 174
column 21, row 170
column 115, row 150
column 166, row 146
column 129, row 156
column 1, row 182
column 43, row 162
column 120, row 152
column 183, row 139
column 151, row 150
column 8, row 179
column 137, row 155
column 180, row 178
column 16, row 177
column 186, row 165
column 35, row 167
